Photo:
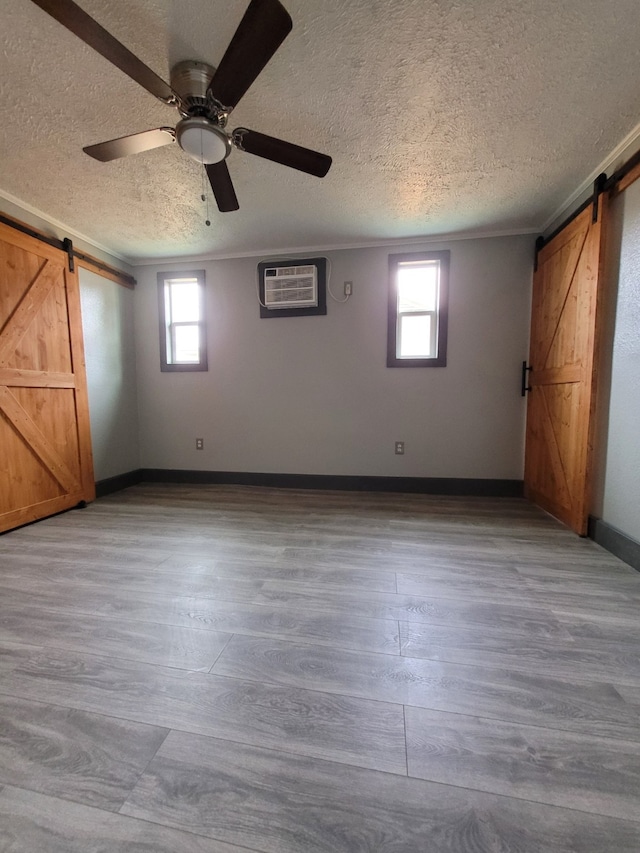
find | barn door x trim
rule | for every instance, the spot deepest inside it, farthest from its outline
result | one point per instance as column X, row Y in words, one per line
column 563, row 359
column 45, row 446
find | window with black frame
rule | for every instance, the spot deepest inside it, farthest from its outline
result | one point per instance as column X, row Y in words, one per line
column 181, row 303
column 418, row 309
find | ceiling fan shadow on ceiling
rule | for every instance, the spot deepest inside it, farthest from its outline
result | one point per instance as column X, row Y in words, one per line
column 203, row 95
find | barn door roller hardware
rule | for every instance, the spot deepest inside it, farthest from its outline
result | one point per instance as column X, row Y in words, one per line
column 523, row 382
column 539, row 247
column 67, row 246
column 599, row 186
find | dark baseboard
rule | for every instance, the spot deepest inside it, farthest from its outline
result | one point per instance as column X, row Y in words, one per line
column 615, row 541
column 117, row 483
column 415, row 485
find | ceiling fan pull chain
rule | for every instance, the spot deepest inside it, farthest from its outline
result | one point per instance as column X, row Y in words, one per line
column 204, row 195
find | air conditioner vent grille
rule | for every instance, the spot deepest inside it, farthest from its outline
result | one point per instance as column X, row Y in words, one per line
column 292, row 271
column 291, row 287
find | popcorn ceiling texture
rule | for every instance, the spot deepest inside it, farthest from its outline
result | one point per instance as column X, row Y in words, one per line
column 441, row 117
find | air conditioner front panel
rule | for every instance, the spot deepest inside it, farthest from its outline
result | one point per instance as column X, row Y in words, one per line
column 291, row 287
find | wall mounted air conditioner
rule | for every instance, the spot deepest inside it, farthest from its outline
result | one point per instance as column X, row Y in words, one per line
column 291, row 287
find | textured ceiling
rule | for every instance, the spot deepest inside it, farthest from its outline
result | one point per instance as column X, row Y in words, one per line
column 472, row 116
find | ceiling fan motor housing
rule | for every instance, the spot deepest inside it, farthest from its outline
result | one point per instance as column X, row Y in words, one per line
column 190, row 80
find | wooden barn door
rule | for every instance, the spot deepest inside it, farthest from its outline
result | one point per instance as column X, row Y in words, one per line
column 564, row 336
column 45, row 446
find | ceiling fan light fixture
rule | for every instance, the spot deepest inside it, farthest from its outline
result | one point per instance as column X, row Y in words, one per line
column 202, row 140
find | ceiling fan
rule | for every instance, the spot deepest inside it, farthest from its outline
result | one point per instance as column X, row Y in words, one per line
column 203, row 95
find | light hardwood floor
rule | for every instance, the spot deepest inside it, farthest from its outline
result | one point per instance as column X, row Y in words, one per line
column 218, row 669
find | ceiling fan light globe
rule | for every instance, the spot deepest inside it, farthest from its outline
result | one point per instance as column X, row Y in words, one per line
column 202, row 140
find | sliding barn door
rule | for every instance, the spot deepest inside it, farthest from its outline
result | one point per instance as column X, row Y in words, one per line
column 45, row 447
column 564, row 335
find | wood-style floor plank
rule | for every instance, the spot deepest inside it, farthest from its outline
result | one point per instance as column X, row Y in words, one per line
column 212, row 614
column 348, row 577
column 326, row 725
column 90, row 758
column 514, row 616
column 585, row 660
column 576, row 771
column 602, row 628
column 594, row 707
column 586, row 582
column 283, row 804
column 33, row 823
column 124, row 639
column 311, row 654
column 501, row 586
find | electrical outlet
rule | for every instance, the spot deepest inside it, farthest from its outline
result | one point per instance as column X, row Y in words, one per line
column 348, row 288
column 199, row 443
column 399, row 448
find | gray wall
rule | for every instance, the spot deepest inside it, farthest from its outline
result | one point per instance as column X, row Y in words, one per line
column 618, row 502
column 107, row 321
column 313, row 395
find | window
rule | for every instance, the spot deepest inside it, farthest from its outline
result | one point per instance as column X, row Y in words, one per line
column 183, row 342
column 418, row 296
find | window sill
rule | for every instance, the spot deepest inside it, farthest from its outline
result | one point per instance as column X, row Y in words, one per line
column 416, row 362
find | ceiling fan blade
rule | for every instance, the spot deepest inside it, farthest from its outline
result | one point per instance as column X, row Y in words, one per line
column 264, row 27
column 286, row 153
column 133, row 144
column 222, row 186
column 71, row 16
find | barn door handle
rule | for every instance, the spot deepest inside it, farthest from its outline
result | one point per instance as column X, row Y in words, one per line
column 524, row 387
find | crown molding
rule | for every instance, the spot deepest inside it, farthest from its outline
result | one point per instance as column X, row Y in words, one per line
column 629, row 145
column 61, row 229
column 337, row 247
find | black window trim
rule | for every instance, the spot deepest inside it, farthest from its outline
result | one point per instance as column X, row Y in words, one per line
column 165, row 365
column 440, row 359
